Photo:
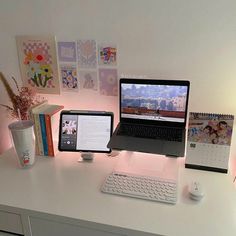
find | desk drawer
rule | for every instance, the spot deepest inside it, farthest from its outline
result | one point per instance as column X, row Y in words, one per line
column 43, row 227
column 10, row 222
column 7, row 234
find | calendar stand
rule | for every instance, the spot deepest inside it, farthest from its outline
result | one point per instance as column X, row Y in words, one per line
column 198, row 167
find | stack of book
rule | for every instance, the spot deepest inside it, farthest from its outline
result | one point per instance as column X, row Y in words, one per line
column 46, row 125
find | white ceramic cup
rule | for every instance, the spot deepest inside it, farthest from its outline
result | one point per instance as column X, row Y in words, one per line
column 22, row 133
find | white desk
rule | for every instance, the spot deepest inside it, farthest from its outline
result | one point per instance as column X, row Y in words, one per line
column 59, row 196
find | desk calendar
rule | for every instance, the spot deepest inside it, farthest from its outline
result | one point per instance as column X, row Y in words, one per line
column 208, row 143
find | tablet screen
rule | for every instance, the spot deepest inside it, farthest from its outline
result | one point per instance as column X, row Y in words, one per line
column 85, row 131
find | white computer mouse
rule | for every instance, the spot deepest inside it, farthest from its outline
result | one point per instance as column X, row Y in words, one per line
column 196, row 191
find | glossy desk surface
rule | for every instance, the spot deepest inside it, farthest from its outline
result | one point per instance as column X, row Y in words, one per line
column 62, row 186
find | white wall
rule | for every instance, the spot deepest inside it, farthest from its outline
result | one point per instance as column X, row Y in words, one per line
column 168, row 39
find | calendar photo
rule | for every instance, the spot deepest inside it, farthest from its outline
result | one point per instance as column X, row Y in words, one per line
column 209, row 128
column 209, row 140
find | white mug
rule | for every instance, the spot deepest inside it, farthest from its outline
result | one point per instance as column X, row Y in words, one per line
column 22, row 133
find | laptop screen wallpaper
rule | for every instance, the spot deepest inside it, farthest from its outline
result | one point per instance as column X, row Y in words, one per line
column 154, row 102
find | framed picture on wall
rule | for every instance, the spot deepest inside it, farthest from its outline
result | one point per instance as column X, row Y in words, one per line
column 69, row 78
column 38, row 63
column 107, row 54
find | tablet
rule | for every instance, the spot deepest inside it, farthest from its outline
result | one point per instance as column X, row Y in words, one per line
column 85, row 131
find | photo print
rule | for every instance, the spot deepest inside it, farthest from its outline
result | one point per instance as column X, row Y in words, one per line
column 108, row 82
column 86, row 53
column 38, row 63
column 69, row 78
column 88, row 79
column 66, row 51
column 107, row 55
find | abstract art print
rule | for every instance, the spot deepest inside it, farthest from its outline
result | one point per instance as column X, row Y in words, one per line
column 69, row 78
column 86, row 53
column 108, row 82
column 66, row 51
column 88, row 79
column 38, row 63
column 107, row 54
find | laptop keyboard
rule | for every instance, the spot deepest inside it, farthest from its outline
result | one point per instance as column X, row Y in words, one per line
column 152, row 132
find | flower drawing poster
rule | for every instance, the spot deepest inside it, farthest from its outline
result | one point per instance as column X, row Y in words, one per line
column 108, row 82
column 86, row 53
column 69, row 78
column 88, row 79
column 38, row 63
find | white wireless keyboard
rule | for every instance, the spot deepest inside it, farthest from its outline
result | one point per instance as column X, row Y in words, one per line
column 138, row 186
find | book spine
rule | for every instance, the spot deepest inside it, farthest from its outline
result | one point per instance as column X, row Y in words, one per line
column 44, row 134
column 49, row 135
column 38, row 134
column 31, row 116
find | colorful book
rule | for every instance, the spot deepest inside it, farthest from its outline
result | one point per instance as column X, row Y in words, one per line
column 209, row 141
column 44, row 134
column 38, row 134
column 45, row 128
column 51, row 126
column 37, row 130
column 49, row 135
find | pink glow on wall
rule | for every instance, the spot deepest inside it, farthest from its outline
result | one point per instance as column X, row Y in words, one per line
column 5, row 142
column 87, row 100
column 82, row 100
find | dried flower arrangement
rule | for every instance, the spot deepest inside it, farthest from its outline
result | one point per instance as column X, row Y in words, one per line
column 22, row 101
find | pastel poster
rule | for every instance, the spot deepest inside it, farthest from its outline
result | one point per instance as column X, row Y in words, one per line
column 107, row 55
column 66, row 51
column 69, row 78
column 86, row 53
column 108, row 82
column 88, row 79
column 38, row 63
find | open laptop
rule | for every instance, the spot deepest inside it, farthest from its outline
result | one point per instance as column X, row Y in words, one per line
column 153, row 116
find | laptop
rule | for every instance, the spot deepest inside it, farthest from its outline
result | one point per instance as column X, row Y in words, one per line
column 153, row 116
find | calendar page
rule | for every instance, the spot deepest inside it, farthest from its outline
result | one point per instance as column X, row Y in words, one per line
column 209, row 140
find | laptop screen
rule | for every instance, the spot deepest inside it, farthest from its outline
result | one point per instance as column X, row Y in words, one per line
column 154, row 100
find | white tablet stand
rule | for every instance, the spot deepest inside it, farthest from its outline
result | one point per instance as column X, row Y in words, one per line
column 89, row 156
column 86, row 156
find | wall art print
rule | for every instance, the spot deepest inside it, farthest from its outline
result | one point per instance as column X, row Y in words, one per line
column 38, row 63
column 69, row 78
column 108, row 82
column 66, row 51
column 88, row 79
column 86, row 53
column 107, row 54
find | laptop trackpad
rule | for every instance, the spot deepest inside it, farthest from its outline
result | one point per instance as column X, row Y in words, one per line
column 139, row 144
column 175, row 149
